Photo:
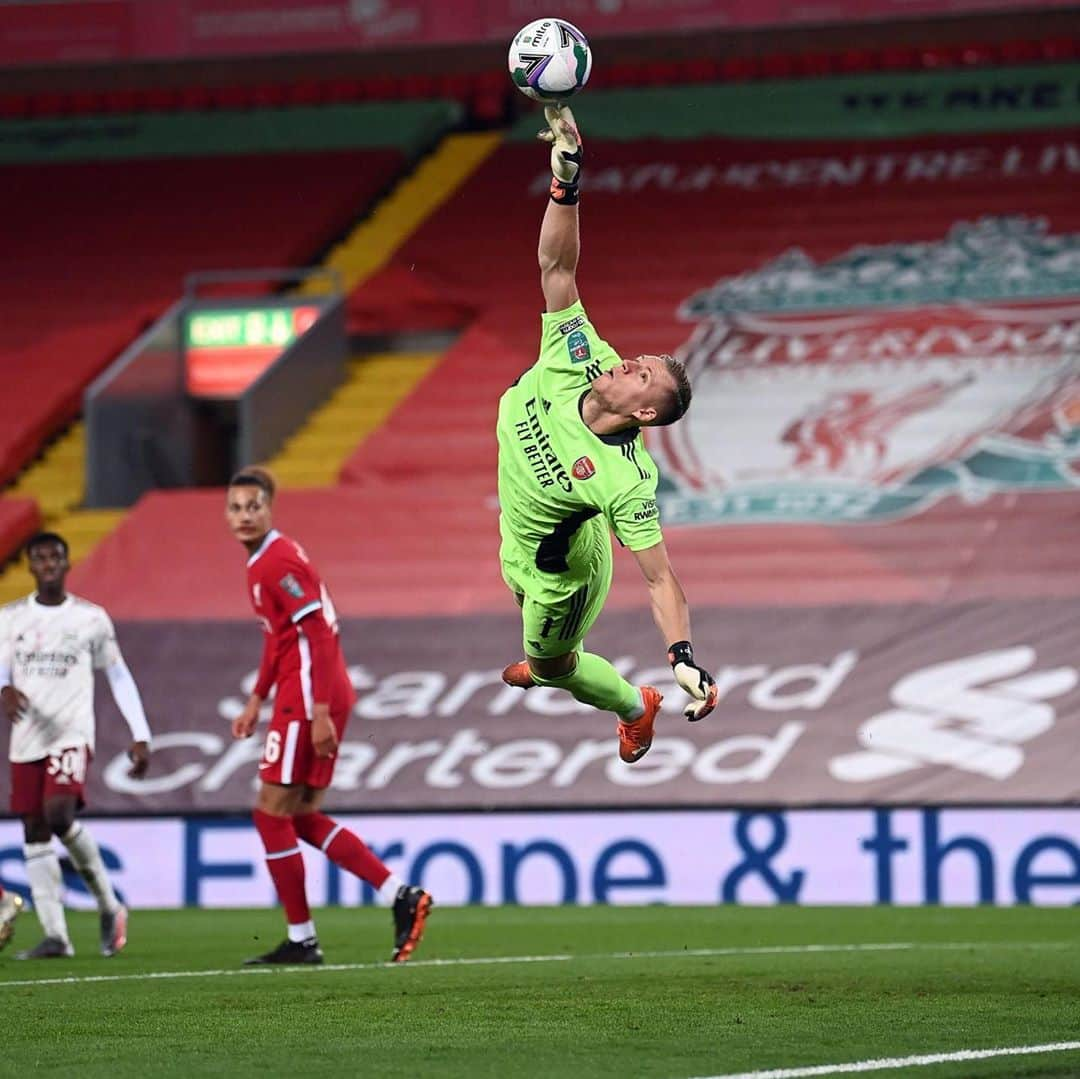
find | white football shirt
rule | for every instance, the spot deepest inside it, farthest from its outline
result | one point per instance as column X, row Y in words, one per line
column 52, row 653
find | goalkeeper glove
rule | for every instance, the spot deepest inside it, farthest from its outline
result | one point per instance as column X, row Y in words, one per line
column 565, row 139
column 694, row 679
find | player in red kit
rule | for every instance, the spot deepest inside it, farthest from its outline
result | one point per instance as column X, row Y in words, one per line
column 302, row 661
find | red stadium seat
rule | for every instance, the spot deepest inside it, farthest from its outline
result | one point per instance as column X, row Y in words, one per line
column 119, row 101
column 342, row 91
column 231, row 97
column 308, row 92
column 1060, row 48
column 977, row 54
column 934, row 56
column 15, row 106
column 740, row 68
column 414, row 87
column 815, row 64
column 660, row 73
column 703, row 70
column 382, row 88
column 898, row 58
column 488, row 97
column 160, row 99
column 1019, row 52
column 269, row 96
column 628, row 74
column 778, row 66
column 48, row 105
column 85, row 103
column 192, row 98
column 454, row 87
column 851, row 61
column 488, row 107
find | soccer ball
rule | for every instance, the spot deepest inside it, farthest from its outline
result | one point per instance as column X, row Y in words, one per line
column 550, row 60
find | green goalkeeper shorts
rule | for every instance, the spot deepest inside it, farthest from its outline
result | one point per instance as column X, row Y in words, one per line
column 558, row 610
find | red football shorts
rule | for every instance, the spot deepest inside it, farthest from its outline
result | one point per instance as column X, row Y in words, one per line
column 288, row 755
column 60, row 775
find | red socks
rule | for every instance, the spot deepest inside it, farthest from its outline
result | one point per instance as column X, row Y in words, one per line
column 341, row 846
column 285, row 862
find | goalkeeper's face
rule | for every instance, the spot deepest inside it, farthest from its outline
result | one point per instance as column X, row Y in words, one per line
column 247, row 513
column 637, row 389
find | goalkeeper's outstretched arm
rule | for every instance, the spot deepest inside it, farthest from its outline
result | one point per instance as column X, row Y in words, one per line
column 672, row 616
column 560, row 244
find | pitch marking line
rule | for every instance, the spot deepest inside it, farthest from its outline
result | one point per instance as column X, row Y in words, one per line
column 889, row 1063
column 692, row 953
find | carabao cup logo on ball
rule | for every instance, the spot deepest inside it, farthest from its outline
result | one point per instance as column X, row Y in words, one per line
column 550, row 60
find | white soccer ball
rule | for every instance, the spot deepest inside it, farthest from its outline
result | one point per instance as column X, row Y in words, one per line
column 550, row 60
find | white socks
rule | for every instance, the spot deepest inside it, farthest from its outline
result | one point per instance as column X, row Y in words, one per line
column 46, row 884
column 86, row 857
column 302, row 931
column 388, row 890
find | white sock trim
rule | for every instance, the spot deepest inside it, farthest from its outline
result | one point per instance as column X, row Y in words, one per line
column 330, row 838
column 388, row 890
column 301, row 931
column 282, row 854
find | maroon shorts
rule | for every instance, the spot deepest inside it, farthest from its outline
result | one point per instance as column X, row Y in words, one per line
column 60, row 775
column 288, row 756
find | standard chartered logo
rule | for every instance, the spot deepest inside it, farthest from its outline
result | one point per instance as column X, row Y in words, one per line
column 496, row 756
column 972, row 714
column 455, row 733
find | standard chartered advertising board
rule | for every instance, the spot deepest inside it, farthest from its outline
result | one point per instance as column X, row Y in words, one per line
column 974, row 704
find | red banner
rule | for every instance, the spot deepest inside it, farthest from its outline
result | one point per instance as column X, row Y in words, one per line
column 125, row 30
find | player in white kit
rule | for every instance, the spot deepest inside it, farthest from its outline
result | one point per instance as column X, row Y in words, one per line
column 50, row 645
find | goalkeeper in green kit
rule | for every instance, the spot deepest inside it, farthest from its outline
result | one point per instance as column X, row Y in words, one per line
column 572, row 468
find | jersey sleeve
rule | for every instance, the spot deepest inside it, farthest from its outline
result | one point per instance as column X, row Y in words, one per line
column 293, row 586
column 105, row 651
column 635, row 517
column 570, row 344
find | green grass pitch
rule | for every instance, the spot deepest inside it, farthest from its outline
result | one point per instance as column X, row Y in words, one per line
column 661, row 992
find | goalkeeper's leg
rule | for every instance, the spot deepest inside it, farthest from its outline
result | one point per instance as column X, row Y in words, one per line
column 554, row 628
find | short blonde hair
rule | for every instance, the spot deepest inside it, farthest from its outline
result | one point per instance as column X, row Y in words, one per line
column 681, row 393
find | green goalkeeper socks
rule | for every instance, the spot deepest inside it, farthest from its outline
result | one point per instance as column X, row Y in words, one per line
column 594, row 681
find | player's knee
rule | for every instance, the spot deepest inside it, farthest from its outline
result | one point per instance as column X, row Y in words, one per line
column 36, row 830
column 278, row 800
column 59, row 817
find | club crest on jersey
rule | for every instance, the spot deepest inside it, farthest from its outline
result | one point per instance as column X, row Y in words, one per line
column 292, row 586
column 577, row 344
column 583, row 469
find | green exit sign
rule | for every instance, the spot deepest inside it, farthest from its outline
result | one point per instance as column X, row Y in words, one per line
column 228, row 348
column 248, row 327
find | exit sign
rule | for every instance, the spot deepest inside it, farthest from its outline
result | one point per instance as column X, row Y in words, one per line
column 229, row 347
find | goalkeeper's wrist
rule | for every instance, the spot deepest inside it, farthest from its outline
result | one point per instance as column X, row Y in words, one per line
column 563, row 193
column 680, row 652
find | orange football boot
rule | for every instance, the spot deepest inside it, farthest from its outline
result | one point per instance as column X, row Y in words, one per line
column 519, row 675
column 636, row 737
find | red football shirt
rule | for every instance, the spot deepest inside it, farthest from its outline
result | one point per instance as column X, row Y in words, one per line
column 285, row 588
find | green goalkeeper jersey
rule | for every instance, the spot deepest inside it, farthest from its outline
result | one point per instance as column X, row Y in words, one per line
column 555, row 475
